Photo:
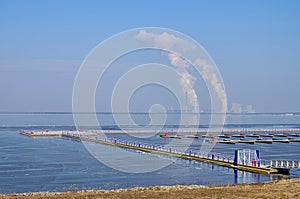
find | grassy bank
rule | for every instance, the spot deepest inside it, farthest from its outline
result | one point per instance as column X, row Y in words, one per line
column 287, row 188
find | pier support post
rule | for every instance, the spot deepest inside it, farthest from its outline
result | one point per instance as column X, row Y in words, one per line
column 235, row 160
column 258, row 158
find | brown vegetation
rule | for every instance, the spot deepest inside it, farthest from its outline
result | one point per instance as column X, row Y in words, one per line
column 287, row 188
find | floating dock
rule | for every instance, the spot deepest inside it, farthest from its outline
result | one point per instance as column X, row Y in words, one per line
column 264, row 141
column 265, row 137
column 42, row 133
column 294, row 140
column 247, row 141
column 211, row 158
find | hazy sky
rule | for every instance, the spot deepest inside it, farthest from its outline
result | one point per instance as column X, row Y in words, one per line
column 255, row 44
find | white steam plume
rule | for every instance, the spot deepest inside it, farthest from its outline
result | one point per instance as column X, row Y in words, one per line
column 208, row 71
column 165, row 40
column 186, row 80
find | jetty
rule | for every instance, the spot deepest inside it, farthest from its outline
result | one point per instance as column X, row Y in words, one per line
column 243, row 136
column 254, row 164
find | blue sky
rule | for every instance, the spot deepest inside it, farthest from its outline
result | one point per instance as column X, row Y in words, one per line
column 255, row 44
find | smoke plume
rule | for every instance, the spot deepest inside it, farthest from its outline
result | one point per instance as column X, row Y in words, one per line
column 186, row 80
column 208, row 71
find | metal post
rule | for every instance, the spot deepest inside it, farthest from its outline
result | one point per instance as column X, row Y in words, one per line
column 235, row 161
column 258, row 158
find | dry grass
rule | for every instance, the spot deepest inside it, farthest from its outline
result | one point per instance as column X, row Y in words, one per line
column 288, row 188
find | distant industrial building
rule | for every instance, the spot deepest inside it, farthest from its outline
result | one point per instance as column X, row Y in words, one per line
column 238, row 108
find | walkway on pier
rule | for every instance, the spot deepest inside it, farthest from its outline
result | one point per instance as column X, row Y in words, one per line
column 260, row 166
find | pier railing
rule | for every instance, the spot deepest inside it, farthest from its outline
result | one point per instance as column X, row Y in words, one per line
column 218, row 158
column 285, row 164
column 157, row 147
column 211, row 156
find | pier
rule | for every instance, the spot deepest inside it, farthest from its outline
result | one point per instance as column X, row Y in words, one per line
column 255, row 165
column 248, row 136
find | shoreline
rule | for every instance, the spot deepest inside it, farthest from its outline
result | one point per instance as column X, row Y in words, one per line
column 284, row 188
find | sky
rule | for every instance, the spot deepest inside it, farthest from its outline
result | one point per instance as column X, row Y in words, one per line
column 255, row 44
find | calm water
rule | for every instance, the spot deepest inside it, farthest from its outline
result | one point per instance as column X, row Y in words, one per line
column 57, row 164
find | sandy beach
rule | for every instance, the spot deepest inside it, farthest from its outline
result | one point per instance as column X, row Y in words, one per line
column 286, row 188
